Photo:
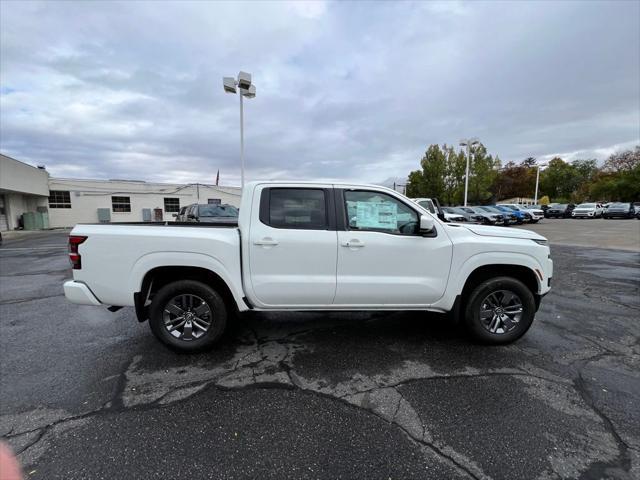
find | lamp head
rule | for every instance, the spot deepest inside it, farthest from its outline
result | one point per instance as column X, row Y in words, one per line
column 244, row 80
column 229, row 84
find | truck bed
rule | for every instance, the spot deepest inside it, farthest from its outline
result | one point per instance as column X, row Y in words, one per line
column 115, row 257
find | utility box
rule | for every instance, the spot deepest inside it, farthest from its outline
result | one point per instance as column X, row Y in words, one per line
column 104, row 215
column 146, row 214
column 29, row 220
column 41, row 220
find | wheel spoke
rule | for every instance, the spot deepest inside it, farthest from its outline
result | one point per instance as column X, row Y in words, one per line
column 507, row 297
column 188, row 331
column 486, row 313
column 173, row 321
column 173, row 308
column 178, row 325
column 200, row 309
column 494, row 324
column 201, row 324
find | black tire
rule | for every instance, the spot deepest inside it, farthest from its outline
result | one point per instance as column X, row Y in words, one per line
column 477, row 329
column 217, row 315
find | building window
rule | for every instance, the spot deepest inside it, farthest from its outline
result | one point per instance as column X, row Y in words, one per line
column 172, row 205
column 121, row 204
column 59, row 199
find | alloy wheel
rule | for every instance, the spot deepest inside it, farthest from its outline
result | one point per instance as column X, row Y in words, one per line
column 187, row 317
column 501, row 311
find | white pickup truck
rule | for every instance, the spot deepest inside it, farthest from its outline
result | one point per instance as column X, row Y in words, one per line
column 312, row 246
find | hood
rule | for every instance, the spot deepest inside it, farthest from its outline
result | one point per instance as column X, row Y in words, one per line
column 487, row 231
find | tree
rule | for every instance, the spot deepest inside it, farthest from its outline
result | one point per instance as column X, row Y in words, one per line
column 515, row 180
column 481, row 175
column 430, row 181
column 559, row 180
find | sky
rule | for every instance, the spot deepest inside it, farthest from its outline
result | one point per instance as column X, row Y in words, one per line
column 351, row 91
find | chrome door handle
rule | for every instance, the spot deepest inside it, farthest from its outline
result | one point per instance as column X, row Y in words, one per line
column 354, row 243
column 266, row 242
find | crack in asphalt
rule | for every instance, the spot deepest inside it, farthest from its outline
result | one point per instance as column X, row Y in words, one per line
column 30, row 299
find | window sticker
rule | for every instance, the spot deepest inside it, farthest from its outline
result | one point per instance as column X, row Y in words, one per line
column 382, row 215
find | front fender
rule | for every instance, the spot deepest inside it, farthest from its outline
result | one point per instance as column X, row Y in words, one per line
column 496, row 258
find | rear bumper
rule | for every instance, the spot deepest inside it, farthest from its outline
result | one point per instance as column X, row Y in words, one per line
column 79, row 293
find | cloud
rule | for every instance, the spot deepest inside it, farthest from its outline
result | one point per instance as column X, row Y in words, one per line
column 353, row 91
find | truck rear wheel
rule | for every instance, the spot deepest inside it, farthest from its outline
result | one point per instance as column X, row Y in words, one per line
column 187, row 315
column 499, row 310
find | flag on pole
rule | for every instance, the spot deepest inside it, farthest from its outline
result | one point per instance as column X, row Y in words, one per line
column 218, row 177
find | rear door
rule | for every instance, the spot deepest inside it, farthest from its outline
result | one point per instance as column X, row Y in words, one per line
column 292, row 247
column 383, row 260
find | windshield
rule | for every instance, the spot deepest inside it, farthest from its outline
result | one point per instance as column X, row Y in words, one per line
column 619, row 205
column 449, row 210
column 217, row 211
column 511, row 207
column 587, row 205
column 561, row 205
column 486, row 209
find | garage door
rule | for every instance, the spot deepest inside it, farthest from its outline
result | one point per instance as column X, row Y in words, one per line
column 3, row 215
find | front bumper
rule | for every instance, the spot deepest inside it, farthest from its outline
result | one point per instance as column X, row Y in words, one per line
column 77, row 292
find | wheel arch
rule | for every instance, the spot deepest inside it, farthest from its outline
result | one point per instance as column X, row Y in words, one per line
column 160, row 276
column 484, row 272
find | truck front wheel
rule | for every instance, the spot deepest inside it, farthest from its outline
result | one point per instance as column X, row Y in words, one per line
column 187, row 315
column 499, row 310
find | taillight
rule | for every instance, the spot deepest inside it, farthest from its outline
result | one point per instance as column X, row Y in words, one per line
column 74, row 256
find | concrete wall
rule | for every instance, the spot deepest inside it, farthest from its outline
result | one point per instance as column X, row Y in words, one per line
column 16, row 204
column 22, row 178
column 89, row 195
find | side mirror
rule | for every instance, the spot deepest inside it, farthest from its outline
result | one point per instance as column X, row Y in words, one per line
column 175, row 215
column 426, row 224
column 191, row 216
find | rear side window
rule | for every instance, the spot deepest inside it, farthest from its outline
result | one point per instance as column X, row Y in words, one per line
column 301, row 208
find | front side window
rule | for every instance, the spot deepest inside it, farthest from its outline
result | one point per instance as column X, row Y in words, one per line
column 121, row 204
column 171, row 205
column 379, row 212
column 59, row 199
column 303, row 208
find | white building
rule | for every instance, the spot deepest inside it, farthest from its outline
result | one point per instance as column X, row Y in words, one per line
column 23, row 188
column 70, row 201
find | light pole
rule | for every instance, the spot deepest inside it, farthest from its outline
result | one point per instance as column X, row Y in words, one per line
column 468, row 142
column 535, row 197
column 247, row 89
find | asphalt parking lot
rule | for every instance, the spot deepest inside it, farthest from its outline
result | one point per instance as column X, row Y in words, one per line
column 85, row 393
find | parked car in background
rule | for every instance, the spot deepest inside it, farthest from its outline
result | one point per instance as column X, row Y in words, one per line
column 521, row 217
column 427, row 204
column 209, row 213
column 487, row 218
column 529, row 215
column 619, row 210
column 536, row 211
column 470, row 217
column 587, row 210
column 181, row 216
column 503, row 218
column 452, row 216
column 560, row 210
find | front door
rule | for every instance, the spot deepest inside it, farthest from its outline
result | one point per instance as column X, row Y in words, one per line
column 292, row 248
column 383, row 260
